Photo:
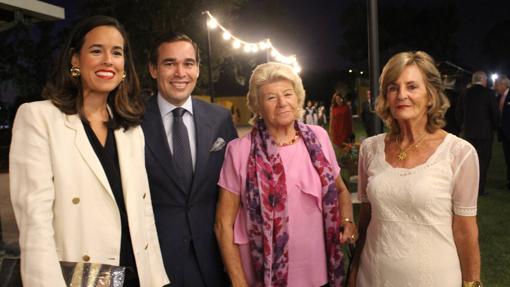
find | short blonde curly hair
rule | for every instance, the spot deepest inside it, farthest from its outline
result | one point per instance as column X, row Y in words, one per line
column 438, row 101
column 268, row 73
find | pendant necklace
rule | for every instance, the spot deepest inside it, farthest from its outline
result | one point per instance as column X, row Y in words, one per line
column 402, row 154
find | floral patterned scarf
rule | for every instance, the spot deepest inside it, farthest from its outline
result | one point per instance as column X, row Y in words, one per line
column 268, row 217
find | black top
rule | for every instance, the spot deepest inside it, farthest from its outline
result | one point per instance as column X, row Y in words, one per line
column 110, row 161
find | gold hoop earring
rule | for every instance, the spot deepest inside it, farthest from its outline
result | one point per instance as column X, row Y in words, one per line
column 75, row 72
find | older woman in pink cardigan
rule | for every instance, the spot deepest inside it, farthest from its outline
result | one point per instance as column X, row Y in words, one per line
column 283, row 210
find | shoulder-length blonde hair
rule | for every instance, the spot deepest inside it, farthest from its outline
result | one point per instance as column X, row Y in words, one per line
column 267, row 73
column 438, row 101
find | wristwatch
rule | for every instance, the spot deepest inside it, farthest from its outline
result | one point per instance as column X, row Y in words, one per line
column 475, row 283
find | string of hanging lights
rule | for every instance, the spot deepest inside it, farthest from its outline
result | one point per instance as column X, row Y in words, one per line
column 250, row 47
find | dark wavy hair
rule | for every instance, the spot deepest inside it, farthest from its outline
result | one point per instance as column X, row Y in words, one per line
column 340, row 93
column 65, row 92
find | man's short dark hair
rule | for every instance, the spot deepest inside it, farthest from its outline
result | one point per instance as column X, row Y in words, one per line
column 170, row 37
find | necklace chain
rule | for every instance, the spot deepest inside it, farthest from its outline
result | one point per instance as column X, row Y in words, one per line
column 402, row 154
column 292, row 141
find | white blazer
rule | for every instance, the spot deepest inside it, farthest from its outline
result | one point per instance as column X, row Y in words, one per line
column 64, row 206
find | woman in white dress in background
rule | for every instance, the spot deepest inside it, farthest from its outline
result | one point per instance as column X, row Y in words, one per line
column 418, row 185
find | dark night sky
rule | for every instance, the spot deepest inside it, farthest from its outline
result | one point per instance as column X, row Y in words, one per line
column 317, row 28
column 477, row 18
column 312, row 29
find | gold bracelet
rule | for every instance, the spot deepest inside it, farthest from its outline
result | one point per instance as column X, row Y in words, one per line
column 347, row 220
column 475, row 283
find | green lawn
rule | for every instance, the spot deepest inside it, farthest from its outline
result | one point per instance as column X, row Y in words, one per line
column 494, row 224
column 493, row 219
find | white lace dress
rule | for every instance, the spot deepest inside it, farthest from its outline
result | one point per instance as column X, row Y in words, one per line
column 409, row 238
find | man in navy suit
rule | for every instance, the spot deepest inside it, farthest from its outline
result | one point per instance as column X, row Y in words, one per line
column 477, row 114
column 502, row 86
column 184, row 202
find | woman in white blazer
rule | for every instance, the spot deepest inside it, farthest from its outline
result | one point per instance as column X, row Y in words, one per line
column 78, row 182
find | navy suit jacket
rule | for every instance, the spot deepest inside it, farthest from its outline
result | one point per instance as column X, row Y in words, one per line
column 182, row 215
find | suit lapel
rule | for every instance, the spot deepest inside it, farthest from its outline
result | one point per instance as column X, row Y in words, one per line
column 157, row 141
column 87, row 152
column 204, row 139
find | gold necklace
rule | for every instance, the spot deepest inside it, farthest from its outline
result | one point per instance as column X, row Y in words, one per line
column 292, row 141
column 402, row 154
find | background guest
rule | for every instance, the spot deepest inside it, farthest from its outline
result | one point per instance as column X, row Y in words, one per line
column 340, row 127
column 321, row 114
column 502, row 86
column 367, row 115
column 477, row 114
column 310, row 113
column 452, row 126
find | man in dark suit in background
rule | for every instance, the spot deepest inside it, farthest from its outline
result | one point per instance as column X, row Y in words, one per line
column 502, row 86
column 453, row 95
column 185, row 141
column 368, row 114
column 477, row 114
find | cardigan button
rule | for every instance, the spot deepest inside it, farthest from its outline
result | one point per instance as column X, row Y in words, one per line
column 76, row 200
column 86, row 258
column 144, row 195
column 146, row 246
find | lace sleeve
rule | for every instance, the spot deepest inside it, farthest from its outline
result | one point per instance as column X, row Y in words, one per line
column 465, row 180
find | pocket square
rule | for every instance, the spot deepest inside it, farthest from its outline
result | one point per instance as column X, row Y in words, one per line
column 218, row 145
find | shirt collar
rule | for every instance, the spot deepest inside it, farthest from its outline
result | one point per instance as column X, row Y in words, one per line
column 165, row 107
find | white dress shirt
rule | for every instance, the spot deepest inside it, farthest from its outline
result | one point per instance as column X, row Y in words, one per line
column 166, row 109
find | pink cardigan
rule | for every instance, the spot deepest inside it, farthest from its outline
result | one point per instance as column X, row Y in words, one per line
column 307, row 256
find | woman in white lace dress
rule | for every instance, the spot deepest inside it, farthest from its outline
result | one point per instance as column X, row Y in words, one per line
column 418, row 186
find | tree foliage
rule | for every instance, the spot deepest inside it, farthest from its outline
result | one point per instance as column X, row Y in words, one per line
column 26, row 60
column 146, row 19
column 29, row 49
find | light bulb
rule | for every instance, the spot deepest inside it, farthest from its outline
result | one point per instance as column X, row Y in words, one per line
column 212, row 23
column 226, row 35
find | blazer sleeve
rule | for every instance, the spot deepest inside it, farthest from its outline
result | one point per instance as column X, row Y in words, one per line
column 33, row 194
column 158, row 273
